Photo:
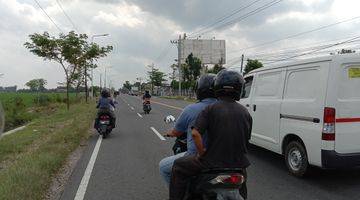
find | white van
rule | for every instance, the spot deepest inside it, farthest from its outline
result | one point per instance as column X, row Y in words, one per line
column 308, row 110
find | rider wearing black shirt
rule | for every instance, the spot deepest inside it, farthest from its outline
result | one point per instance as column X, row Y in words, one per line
column 228, row 126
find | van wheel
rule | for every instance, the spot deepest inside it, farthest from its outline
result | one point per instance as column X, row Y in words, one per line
column 296, row 159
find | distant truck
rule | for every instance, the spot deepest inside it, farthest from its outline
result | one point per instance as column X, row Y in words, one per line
column 308, row 111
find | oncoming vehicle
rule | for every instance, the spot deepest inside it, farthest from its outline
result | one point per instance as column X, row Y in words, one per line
column 308, row 110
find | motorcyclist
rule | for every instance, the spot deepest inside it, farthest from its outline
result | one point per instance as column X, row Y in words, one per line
column 205, row 96
column 146, row 96
column 106, row 105
column 228, row 127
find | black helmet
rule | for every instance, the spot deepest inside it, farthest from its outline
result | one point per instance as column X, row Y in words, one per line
column 229, row 83
column 105, row 93
column 205, row 87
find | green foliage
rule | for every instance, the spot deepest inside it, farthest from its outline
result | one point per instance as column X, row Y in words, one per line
column 216, row 69
column 127, row 85
column 21, row 108
column 156, row 77
column 190, row 71
column 72, row 51
column 252, row 65
column 37, row 84
column 42, row 100
column 34, row 155
column 15, row 113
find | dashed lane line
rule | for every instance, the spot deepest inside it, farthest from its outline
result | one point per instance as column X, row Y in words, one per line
column 157, row 133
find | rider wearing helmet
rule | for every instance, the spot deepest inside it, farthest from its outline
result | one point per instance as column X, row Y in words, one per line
column 227, row 125
column 205, row 96
column 106, row 105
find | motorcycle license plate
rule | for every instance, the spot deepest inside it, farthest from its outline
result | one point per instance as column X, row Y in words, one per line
column 105, row 122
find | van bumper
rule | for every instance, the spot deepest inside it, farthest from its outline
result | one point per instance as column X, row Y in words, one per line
column 332, row 159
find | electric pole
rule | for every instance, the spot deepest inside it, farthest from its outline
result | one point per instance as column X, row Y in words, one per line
column 100, row 82
column 140, row 81
column 242, row 62
column 152, row 77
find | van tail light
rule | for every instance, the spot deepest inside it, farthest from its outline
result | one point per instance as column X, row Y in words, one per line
column 328, row 132
column 234, row 179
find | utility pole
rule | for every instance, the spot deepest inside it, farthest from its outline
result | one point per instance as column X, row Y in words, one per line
column 152, row 74
column 242, row 62
column 86, row 87
column 92, row 68
column 179, row 64
column 100, row 82
column 179, row 43
column 140, row 81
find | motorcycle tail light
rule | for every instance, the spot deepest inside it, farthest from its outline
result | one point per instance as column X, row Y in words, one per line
column 104, row 117
column 235, row 179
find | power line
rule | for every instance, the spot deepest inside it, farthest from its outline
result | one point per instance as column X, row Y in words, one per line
column 297, row 34
column 242, row 17
column 314, row 51
column 224, row 17
column 163, row 53
column 66, row 15
column 48, row 16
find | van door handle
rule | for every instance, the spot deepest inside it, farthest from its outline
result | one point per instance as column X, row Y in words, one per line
column 254, row 108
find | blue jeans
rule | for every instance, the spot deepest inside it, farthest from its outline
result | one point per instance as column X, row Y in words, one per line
column 166, row 165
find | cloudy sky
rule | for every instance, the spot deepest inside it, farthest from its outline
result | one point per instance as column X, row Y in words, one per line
column 141, row 30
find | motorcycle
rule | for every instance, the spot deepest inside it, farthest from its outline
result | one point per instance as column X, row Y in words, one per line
column 147, row 107
column 104, row 125
column 213, row 184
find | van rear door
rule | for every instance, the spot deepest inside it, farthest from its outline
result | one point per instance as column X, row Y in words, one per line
column 347, row 129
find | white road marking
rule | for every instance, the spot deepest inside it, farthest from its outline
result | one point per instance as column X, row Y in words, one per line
column 132, row 108
column 85, row 179
column 157, row 133
column 139, row 115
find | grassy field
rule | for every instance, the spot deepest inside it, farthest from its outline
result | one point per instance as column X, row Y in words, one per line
column 20, row 108
column 30, row 158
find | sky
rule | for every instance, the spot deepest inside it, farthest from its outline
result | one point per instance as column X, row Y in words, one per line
column 140, row 32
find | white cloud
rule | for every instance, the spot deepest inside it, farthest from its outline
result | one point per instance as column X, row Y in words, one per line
column 122, row 15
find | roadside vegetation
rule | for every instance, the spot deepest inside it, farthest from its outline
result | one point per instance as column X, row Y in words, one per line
column 21, row 108
column 31, row 157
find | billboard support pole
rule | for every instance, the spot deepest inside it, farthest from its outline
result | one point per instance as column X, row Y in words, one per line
column 242, row 62
column 179, row 64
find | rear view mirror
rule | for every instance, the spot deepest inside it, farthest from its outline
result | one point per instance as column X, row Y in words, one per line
column 169, row 119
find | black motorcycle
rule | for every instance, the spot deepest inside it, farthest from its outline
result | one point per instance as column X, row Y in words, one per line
column 147, row 107
column 104, row 126
column 211, row 184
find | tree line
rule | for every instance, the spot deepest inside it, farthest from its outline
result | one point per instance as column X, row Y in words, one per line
column 190, row 72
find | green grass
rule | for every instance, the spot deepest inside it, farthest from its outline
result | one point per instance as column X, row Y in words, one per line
column 20, row 108
column 30, row 158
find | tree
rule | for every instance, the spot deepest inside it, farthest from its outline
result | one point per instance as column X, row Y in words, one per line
column 156, row 77
column 37, row 84
column 190, row 71
column 71, row 51
column 251, row 65
column 216, row 69
column 127, row 85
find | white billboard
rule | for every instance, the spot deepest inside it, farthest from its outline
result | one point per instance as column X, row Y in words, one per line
column 208, row 51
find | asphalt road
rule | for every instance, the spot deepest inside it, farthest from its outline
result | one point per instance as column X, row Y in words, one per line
column 126, row 166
